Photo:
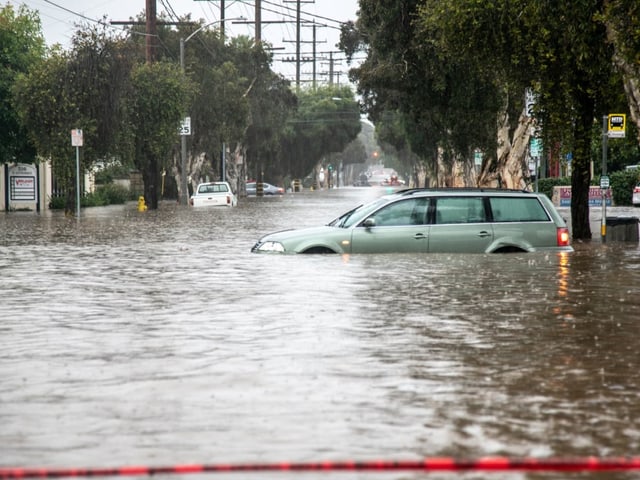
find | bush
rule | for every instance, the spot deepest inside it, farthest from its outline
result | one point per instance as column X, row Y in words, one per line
column 545, row 185
column 622, row 183
column 110, row 194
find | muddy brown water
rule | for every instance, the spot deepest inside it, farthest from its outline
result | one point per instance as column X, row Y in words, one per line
column 157, row 338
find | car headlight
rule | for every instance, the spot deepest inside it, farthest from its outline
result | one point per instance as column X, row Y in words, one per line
column 269, row 247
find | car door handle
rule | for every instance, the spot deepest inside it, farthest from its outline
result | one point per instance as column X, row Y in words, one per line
column 484, row 234
column 419, row 236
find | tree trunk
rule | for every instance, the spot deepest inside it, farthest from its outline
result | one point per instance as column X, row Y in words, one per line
column 510, row 168
column 150, row 177
column 581, row 172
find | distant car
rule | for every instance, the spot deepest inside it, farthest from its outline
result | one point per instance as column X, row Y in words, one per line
column 267, row 189
column 635, row 198
column 213, row 194
column 435, row 221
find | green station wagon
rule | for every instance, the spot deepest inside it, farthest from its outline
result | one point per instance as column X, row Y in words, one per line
column 443, row 220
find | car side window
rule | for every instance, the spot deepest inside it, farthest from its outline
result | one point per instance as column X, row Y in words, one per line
column 460, row 210
column 517, row 209
column 404, row 212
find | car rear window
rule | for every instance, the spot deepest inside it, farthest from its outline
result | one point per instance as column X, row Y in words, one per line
column 517, row 209
column 218, row 187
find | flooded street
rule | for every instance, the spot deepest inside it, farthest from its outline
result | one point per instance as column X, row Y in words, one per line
column 157, row 338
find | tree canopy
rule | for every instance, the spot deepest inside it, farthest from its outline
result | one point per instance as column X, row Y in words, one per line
column 448, row 69
column 22, row 47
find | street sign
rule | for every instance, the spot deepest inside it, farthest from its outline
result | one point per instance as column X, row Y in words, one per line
column 529, row 102
column 477, row 158
column 185, row 126
column 76, row 137
column 535, row 147
column 604, row 182
column 616, row 125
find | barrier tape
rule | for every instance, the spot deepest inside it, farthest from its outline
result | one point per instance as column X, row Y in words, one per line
column 426, row 465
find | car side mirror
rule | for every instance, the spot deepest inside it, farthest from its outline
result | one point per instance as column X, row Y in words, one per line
column 369, row 222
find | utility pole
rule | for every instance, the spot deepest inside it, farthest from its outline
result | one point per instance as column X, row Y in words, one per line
column 152, row 31
column 151, row 26
column 298, row 25
column 299, row 59
column 258, row 15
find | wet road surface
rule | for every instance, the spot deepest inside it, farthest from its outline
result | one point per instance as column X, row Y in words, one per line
column 157, row 338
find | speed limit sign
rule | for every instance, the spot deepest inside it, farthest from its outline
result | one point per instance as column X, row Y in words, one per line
column 185, row 126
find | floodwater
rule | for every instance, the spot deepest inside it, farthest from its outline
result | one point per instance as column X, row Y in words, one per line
column 158, row 339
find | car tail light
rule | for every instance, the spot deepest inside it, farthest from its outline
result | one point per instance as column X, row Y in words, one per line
column 636, row 190
column 228, row 200
column 563, row 237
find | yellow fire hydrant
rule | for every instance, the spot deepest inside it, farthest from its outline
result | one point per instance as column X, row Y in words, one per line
column 142, row 207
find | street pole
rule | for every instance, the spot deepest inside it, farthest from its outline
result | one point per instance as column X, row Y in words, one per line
column 184, row 195
column 605, row 136
column 183, row 139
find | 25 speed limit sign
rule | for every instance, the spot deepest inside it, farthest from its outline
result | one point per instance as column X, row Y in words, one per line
column 185, row 126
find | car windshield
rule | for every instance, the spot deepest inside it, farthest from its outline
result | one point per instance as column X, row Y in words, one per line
column 358, row 214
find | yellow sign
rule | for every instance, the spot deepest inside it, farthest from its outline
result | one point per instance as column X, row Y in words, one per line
column 616, row 124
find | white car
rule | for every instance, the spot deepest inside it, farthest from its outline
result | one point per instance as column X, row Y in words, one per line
column 213, row 194
column 635, row 198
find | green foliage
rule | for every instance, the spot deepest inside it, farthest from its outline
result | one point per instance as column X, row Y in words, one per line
column 545, row 185
column 104, row 195
column 44, row 101
column 155, row 123
column 449, row 67
column 622, row 183
column 108, row 174
column 327, row 120
column 21, row 47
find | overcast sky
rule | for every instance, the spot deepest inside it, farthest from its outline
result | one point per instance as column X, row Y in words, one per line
column 59, row 17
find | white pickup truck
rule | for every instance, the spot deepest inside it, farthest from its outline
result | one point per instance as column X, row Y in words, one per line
column 213, row 194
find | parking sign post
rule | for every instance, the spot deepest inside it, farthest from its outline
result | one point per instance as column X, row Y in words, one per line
column 76, row 141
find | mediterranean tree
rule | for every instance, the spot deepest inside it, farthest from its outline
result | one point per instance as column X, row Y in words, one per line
column 160, row 96
column 327, row 120
column 45, row 102
column 22, row 47
column 559, row 49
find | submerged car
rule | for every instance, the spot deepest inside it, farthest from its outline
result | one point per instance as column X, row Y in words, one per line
column 443, row 220
column 267, row 189
column 213, row 194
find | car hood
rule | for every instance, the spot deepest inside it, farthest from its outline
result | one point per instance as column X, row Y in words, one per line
column 297, row 233
column 300, row 239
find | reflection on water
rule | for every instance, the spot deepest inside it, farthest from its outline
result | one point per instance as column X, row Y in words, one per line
column 157, row 338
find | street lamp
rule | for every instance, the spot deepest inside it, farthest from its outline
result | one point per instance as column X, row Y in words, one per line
column 183, row 163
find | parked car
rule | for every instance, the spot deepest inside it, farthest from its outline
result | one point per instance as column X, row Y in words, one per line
column 443, row 220
column 267, row 189
column 213, row 194
column 635, row 197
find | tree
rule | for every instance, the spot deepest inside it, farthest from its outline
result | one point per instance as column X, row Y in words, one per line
column 622, row 20
column 446, row 103
column 22, row 47
column 155, row 122
column 44, row 102
column 84, row 88
column 327, row 120
column 560, row 49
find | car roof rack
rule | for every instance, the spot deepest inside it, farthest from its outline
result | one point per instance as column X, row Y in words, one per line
column 411, row 191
